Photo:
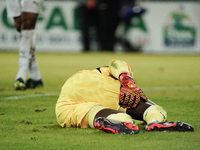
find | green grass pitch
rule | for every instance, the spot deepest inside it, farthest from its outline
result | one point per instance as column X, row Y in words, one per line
column 28, row 122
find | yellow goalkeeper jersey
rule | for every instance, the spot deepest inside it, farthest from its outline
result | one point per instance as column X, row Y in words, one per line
column 84, row 90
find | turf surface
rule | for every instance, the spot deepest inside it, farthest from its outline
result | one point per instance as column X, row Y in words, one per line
column 27, row 118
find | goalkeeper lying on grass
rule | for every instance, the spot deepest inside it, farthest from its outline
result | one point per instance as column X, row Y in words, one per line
column 107, row 98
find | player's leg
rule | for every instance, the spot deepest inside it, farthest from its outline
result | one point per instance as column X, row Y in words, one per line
column 14, row 11
column 155, row 117
column 27, row 32
column 110, row 120
column 19, row 83
column 34, row 73
column 89, row 114
column 31, row 9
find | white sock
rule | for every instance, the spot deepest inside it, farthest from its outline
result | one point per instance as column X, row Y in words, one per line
column 24, row 48
column 34, row 72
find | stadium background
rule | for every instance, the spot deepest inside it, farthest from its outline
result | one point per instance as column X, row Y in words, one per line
column 155, row 32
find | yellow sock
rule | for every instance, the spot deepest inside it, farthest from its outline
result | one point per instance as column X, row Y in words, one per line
column 115, row 118
column 155, row 112
column 89, row 119
column 120, row 117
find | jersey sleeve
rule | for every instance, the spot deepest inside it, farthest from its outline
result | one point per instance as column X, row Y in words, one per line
column 118, row 66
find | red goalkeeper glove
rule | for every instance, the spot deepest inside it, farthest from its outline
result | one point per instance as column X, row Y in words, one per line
column 130, row 94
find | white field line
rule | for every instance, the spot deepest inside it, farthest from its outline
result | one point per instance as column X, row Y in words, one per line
column 30, row 96
column 144, row 89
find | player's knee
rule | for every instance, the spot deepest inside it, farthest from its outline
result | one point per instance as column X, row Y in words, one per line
column 29, row 21
column 28, row 24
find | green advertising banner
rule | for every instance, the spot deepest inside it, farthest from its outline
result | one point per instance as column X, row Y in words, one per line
column 56, row 30
column 166, row 27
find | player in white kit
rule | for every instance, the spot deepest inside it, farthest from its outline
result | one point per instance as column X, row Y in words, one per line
column 25, row 14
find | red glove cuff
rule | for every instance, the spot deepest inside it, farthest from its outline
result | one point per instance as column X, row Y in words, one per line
column 126, row 79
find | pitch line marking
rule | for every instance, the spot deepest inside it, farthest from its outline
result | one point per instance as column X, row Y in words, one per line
column 144, row 89
column 30, row 96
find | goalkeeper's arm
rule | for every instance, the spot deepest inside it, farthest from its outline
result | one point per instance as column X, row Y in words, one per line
column 130, row 95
